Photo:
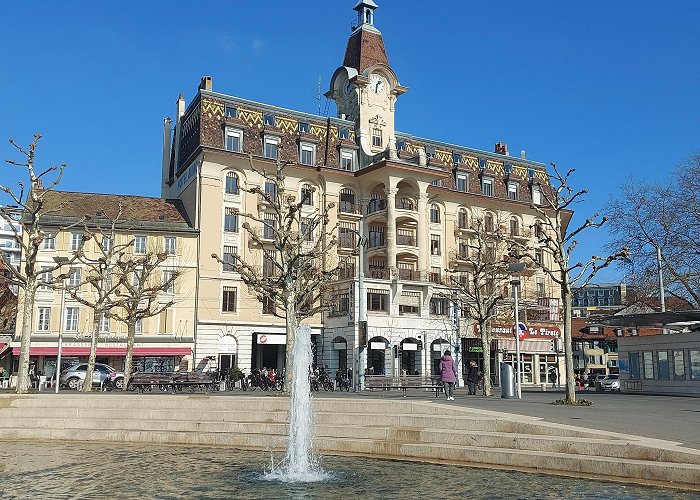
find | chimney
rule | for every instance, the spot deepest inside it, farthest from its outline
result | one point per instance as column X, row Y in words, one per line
column 165, row 166
column 522, row 154
column 179, row 112
column 501, row 148
column 205, row 84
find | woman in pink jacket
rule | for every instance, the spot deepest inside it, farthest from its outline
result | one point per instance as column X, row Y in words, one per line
column 448, row 374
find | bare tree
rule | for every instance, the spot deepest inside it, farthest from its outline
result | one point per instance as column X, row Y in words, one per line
column 480, row 276
column 293, row 236
column 661, row 225
column 141, row 283
column 30, row 235
column 558, row 241
column 96, row 275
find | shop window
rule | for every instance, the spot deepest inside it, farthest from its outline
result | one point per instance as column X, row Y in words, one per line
column 662, row 365
column 634, row 365
column 678, row 365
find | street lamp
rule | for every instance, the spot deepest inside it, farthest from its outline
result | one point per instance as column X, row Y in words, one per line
column 516, row 268
column 60, row 261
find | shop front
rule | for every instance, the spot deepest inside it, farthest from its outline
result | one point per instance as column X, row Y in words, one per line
column 540, row 362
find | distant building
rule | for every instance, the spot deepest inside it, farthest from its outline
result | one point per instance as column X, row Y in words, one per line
column 597, row 299
column 10, row 229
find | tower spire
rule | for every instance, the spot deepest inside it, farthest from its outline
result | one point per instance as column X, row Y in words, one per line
column 365, row 13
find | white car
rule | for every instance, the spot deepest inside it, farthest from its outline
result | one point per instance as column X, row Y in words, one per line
column 610, row 383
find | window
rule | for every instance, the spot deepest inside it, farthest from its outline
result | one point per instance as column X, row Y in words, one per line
column 44, row 321
column 434, row 244
column 539, row 233
column 489, row 225
column 50, row 241
column 678, row 365
column 439, row 306
column 307, row 231
column 269, row 119
column 648, row 361
column 539, row 256
column 234, row 140
column 229, row 261
column 341, row 303
column 377, row 140
column 462, row 183
column 140, row 245
column 487, row 186
column 169, row 281
column 378, row 300
column 270, row 189
column 457, row 158
column 343, row 133
column 434, row 214
column 269, row 226
column 106, row 244
column 376, row 236
column 513, row 191
column 634, row 365
column 45, row 277
column 170, row 245
column 72, row 314
column 536, row 195
column 662, row 365
column 346, row 235
column 307, row 154
column 269, row 267
column 75, row 239
column 540, row 289
column 139, row 326
column 104, row 323
column 268, row 306
column 490, row 252
column 347, row 201
column 74, row 276
column 228, row 299
column 230, row 112
column 303, row 128
column 271, row 147
column 463, row 219
column 230, row 220
column 694, row 365
column 232, row 185
column 347, row 161
column 307, row 194
column 514, row 226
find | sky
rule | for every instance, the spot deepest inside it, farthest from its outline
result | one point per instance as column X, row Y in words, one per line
column 607, row 88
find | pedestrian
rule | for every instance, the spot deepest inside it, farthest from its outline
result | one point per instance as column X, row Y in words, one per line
column 472, row 378
column 448, row 375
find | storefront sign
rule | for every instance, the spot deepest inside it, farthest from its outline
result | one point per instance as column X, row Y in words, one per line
column 409, row 347
column 269, row 339
column 531, row 331
column 476, row 348
column 339, row 346
column 380, row 346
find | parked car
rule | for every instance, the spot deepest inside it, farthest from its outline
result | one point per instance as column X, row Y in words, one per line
column 74, row 376
column 610, row 383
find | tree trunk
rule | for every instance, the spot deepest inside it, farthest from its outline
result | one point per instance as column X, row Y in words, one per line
column 131, row 335
column 291, row 325
column 26, row 339
column 87, row 383
column 486, row 352
column 568, row 347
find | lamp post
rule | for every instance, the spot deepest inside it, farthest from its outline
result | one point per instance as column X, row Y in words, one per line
column 60, row 261
column 516, row 268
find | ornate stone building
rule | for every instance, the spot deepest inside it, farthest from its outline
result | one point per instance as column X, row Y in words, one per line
column 411, row 199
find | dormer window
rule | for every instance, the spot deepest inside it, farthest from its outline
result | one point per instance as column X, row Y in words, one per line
column 307, row 154
column 269, row 119
column 230, row 112
column 462, row 183
column 303, row 128
column 487, row 186
column 234, row 140
column 343, row 133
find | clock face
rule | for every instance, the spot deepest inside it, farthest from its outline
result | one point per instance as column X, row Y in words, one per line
column 376, row 84
column 347, row 88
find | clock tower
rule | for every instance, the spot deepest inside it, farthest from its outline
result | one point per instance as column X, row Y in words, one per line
column 365, row 87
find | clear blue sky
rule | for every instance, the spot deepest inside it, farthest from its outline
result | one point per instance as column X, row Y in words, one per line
column 608, row 88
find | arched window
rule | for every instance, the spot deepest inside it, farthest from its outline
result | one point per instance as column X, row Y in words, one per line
column 434, row 214
column 539, row 233
column 232, row 185
column 368, row 16
column 307, row 194
column 514, row 226
column 488, row 223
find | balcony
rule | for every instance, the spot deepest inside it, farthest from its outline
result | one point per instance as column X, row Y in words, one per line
column 346, row 207
column 379, row 273
column 376, row 240
column 435, row 278
column 406, row 204
column 409, row 274
column 406, row 240
column 376, row 205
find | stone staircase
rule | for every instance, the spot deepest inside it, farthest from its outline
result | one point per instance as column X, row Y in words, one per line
column 411, row 430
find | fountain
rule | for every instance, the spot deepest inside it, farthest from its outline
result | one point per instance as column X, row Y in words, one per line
column 299, row 464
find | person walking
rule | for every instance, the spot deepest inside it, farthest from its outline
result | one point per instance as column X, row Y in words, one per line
column 472, row 378
column 448, row 374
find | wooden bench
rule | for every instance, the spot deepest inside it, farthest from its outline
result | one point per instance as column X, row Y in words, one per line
column 171, row 381
column 403, row 383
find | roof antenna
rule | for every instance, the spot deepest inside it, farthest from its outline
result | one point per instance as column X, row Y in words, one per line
column 318, row 95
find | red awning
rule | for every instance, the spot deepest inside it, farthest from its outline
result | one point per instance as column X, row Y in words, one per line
column 106, row 351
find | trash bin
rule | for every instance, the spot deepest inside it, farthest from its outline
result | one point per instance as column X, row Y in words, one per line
column 507, row 381
column 222, row 385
